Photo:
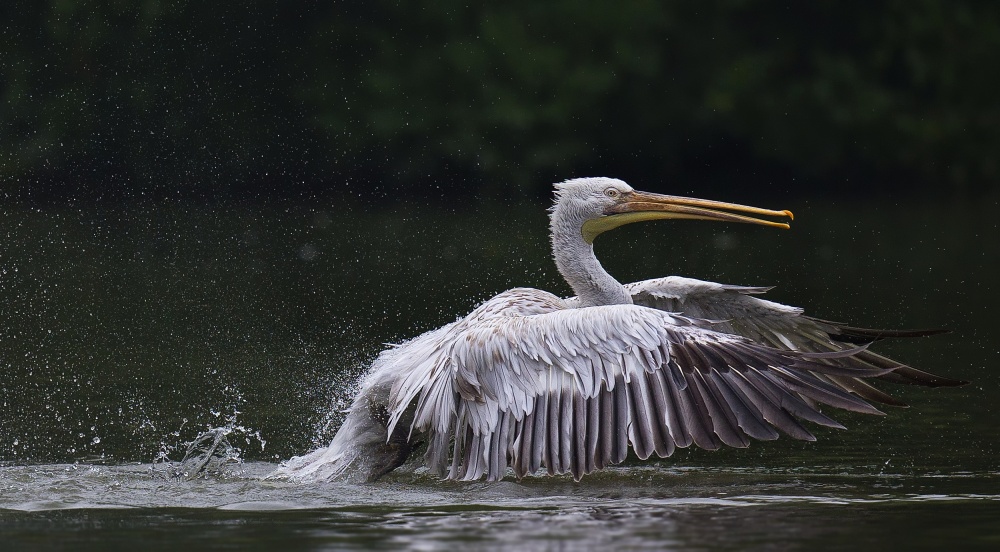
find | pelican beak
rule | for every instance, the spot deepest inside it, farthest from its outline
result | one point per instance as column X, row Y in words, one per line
column 639, row 206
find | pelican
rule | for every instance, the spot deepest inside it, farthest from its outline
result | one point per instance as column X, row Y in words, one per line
column 530, row 382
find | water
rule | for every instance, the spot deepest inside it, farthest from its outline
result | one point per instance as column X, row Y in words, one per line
column 639, row 507
column 127, row 332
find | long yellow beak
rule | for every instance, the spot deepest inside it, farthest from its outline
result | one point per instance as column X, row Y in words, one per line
column 640, row 206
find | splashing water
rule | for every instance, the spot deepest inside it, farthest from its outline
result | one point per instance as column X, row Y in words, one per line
column 333, row 460
column 212, row 449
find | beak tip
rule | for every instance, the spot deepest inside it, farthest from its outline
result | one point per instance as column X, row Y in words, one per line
column 789, row 214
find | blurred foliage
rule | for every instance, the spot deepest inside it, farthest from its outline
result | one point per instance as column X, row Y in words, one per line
column 237, row 101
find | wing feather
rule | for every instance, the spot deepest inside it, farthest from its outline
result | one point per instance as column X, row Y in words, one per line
column 748, row 415
column 571, row 390
column 578, row 464
column 665, row 412
column 724, row 422
column 641, row 427
column 606, row 439
column 593, row 434
column 770, row 407
column 619, row 427
column 734, row 310
column 694, row 423
column 553, row 459
column 539, row 449
column 565, row 429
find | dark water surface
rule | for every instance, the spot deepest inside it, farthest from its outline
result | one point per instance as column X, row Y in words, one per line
column 124, row 333
column 650, row 507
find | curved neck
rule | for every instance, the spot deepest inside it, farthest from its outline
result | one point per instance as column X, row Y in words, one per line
column 577, row 263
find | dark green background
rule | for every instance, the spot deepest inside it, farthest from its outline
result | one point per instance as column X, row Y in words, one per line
column 216, row 214
column 251, row 102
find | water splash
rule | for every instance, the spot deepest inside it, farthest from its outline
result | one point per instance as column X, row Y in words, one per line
column 341, row 388
column 332, row 457
column 216, row 447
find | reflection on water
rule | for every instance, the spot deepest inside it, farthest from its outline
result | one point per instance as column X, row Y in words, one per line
column 645, row 507
column 127, row 333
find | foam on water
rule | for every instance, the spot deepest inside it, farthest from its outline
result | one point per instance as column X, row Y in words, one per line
column 244, row 486
column 86, row 507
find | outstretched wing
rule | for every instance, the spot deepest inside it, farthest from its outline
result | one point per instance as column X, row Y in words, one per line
column 736, row 310
column 571, row 390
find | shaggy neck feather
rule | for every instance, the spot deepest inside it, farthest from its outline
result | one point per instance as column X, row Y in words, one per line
column 577, row 263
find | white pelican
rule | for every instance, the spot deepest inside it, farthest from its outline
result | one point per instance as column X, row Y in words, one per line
column 529, row 380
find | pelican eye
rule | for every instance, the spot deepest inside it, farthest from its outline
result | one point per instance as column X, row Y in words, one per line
column 612, row 193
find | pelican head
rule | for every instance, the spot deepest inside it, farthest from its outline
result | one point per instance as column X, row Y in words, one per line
column 602, row 204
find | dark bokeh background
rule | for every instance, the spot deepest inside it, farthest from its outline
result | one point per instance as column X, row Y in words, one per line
column 237, row 102
column 216, row 213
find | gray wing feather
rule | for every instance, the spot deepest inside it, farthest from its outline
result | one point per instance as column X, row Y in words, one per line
column 735, row 310
column 570, row 391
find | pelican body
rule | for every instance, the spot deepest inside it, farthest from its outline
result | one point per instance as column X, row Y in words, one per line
column 533, row 383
